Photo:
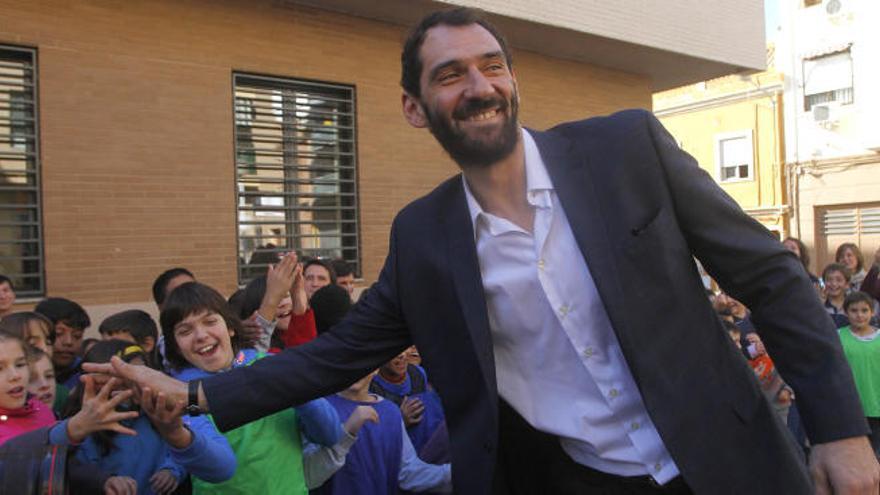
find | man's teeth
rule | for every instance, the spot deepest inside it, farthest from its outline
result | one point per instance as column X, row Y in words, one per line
column 484, row 115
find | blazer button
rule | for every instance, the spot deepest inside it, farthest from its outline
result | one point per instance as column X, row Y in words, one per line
column 488, row 446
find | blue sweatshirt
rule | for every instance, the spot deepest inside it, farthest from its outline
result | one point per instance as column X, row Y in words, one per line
column 138, row 456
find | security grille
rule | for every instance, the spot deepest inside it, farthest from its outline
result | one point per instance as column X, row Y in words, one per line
column 296, row 171
column 20, row 231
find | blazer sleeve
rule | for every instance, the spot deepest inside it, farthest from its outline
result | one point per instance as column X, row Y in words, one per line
column 373, row 332
column 752, row 265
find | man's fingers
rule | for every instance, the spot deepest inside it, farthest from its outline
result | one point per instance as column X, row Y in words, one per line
column 100, row 368
column 123, row 369
column 820, row 479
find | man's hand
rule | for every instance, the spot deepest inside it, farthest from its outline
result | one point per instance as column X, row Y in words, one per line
column 120, row 485
column 411, row 410
column 163, row 482
column 99, row 412
column 845, row 467
column 137, row 378
column 166, row 418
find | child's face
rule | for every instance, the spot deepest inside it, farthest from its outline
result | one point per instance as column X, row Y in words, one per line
column 38, row 336
column 316, row 276
column 859, row 315
column 205, row 341
column 396, row 367
column 42, row 383
column 119, row 335
column 835, row 284
column 67, row 343
column 14, row 374
column 792, row 246
column 7, row 297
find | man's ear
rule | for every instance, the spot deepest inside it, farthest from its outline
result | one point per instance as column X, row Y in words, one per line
column 413, row 111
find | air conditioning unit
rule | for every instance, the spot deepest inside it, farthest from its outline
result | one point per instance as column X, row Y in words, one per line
column 825, row 115
column 836, row 9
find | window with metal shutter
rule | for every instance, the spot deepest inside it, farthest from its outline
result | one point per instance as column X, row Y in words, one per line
column 21, row 247
column 296, row 171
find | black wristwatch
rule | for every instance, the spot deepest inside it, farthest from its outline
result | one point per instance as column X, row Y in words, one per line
column 192, row 402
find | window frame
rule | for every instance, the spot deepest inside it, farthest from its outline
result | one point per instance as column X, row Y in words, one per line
column 719, row 161
column 33, row 165
column 346, row 175
column 808, row 104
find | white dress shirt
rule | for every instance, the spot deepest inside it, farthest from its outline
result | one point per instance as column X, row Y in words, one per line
column 558, row 362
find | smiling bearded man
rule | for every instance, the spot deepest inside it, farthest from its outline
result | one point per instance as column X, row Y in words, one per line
column 552, row 293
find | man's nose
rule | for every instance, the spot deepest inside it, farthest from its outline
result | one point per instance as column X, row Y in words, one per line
column 478, row 84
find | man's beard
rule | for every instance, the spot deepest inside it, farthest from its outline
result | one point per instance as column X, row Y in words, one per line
column 482, row 151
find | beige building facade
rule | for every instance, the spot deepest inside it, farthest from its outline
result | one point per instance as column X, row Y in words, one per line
column 146, row 135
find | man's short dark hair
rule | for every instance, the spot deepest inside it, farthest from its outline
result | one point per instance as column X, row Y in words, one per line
column 139, row 324
column 59, row 309
column 858, row 296
column 342, row 268
column 162, row 280
column 411, row 62
column 7, row 280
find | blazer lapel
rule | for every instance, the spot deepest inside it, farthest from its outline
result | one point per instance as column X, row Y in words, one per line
column 465, row 268
column 576, row 188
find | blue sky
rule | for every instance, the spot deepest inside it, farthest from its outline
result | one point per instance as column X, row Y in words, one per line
column 771, row 18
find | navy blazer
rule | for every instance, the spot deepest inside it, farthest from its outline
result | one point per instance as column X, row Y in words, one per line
column 640, row 209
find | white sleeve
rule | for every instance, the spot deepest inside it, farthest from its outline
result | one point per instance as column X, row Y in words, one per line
column 417, row 475
column 320, row 463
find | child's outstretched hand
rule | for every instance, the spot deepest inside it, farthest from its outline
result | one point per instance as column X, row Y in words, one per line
column 167, row 418
column 279, row 280
column 358, row 417
column 163, row 481
column 99, row 412
column 120, row 485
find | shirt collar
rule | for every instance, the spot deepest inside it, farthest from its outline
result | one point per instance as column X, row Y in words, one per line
column 538, row 184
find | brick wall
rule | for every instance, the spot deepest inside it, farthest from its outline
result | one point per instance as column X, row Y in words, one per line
column 137, row 135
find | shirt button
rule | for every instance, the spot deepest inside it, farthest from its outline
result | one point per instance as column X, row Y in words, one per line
column 563, row 310
column 613, row 393
column 588, row 352
column 541, row 264
column 658, row 467
column 634, row 425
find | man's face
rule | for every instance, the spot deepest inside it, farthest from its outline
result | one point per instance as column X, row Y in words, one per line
column 469, row 97
column 7, row 297
column 67, row 343
column 346, row 282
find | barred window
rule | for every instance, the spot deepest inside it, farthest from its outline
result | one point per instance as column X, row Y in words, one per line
column 20, row 229
column 296, row 171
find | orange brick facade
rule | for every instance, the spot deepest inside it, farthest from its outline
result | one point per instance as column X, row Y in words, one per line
column 136, row 128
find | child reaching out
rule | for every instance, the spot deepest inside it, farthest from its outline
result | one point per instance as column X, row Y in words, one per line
column 383, row 459
column 200, row 333
column 862, row 349
column 145, row 457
